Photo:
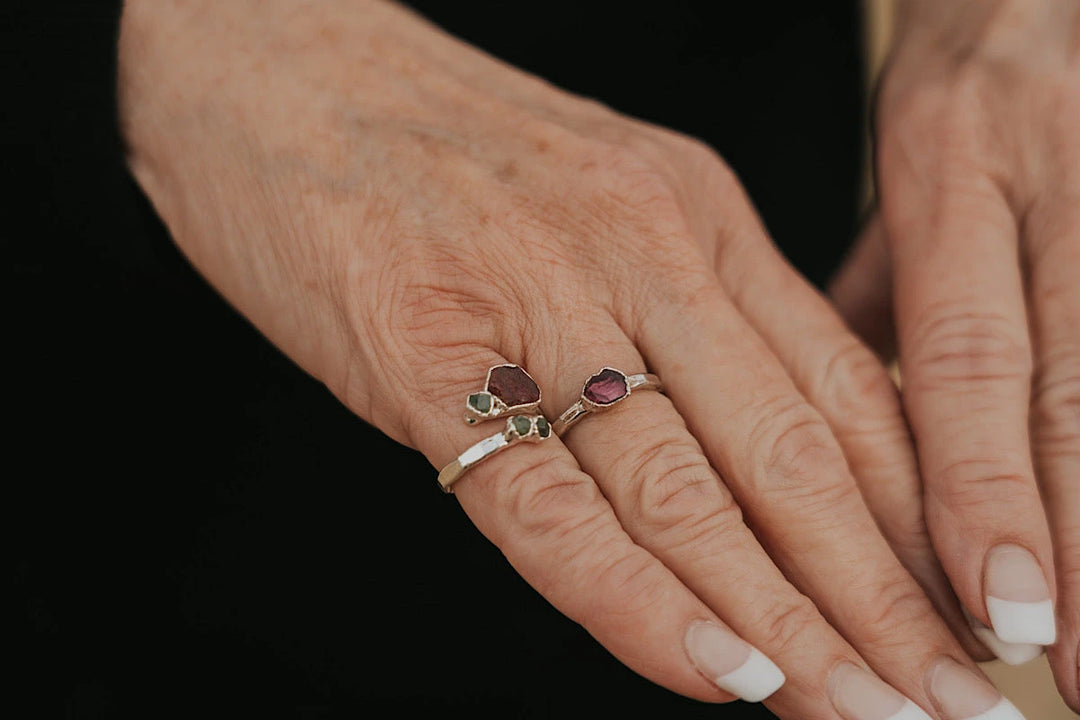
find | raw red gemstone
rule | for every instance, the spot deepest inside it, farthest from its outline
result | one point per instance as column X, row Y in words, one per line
column 605, row 387
column 513, row 386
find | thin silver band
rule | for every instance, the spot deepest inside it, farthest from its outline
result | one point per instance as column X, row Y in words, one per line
column 539, row 429
column 574, row 413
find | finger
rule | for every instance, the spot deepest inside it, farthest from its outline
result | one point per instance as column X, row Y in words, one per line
column 848, row 385
column 789, row 476
column 861, row 290
column 557, row 530
column 672, row 503
column 966, row 367
column 1054, row 280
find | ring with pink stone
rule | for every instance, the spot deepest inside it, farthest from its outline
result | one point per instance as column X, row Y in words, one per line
column 602, row 391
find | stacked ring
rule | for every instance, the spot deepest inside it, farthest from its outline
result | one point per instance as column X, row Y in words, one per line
column 603, row 391
column 531, row 428
column 507, row 389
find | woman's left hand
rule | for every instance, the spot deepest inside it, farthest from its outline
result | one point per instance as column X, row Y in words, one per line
column 978, row 171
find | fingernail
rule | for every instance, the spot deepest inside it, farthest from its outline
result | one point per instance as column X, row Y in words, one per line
column 1018, row 597
column 731, row 663
column 1008, row 653
column 860, row 695
column 960, row 694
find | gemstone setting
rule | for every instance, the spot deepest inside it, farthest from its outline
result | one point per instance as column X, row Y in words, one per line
column 606, row 388
column 512, row 385
column 507, row 389
column 522, row 425
column 480, row 402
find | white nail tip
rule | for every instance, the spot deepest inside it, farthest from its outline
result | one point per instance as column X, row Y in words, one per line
column 754, row 680
column 1004, row 710
column 910, row 711
column 1022, row 622
column 1008, row 653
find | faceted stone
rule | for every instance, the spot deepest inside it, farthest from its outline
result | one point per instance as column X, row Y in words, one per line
column 513, row 386
column 522, row 425
column 606, row 387
column 543, row 427
column 480, row 402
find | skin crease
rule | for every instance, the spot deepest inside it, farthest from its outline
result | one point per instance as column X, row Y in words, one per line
column 978, row 181
column 398, row 212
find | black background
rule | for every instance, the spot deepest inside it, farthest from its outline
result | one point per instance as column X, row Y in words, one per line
column 195, row 529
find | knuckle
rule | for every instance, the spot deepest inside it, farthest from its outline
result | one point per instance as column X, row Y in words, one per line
column 855, row 382
column 796, row 453
column 890, row 609
column 639, row 184
column 956, row 345
column 549, row 498
column 782, row 624
column 709, row 165
column 675, row 489
column 968, row 485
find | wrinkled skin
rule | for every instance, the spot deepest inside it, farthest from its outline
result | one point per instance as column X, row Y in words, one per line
column 978, row 173
column 398, row 212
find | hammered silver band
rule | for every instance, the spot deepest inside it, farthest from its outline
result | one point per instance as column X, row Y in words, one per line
column 520, row 428
column 592, row 400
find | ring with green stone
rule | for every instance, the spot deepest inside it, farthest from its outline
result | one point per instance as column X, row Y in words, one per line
column 519, row 428
column 507, row 389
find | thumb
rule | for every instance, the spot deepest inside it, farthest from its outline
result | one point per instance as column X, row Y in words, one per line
column 862, row 289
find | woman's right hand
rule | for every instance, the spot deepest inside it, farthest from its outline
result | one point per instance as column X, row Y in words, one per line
column 398, row 212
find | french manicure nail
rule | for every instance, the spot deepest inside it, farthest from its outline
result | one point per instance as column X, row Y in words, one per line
column 1018, row 597
column 960, row 694
column 731, row 663
column 860, row 695
column 1008, row 653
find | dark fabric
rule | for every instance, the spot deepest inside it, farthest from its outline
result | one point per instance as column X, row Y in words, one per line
column 196, row 529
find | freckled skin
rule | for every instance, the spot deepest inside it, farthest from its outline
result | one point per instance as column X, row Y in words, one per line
column 399, row 212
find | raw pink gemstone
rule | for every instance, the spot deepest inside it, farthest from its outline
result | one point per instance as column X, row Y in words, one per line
column 605, row 387
column 513, row 386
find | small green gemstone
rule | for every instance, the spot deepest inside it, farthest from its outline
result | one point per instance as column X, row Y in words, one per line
column 543, row 427
column 480, row 402
column 522, row 425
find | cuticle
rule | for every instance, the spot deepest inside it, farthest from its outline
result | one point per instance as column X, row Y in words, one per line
column 831, row 678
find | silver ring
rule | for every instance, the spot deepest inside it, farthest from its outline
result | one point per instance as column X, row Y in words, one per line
column 528, row 428
column 603, row 391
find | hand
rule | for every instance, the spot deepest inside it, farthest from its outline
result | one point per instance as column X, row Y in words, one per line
column 398, row 212
column 978, row 169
